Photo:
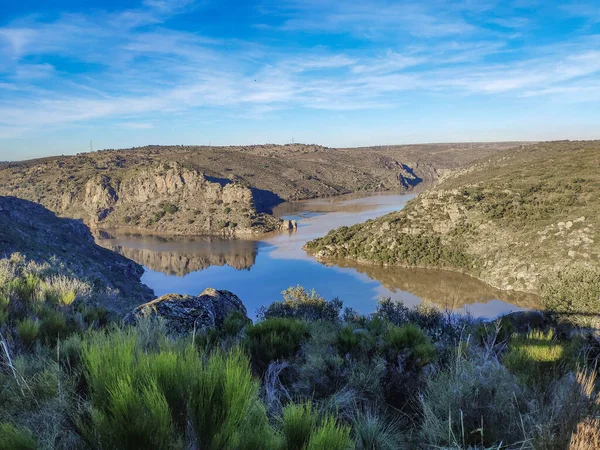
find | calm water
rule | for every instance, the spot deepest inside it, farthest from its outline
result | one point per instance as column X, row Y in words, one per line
column 258, row 270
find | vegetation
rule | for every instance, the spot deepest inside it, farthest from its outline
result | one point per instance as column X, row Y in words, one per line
column 311, row 379
column 516, row 221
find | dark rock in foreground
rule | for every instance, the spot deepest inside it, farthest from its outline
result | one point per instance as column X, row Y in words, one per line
column 38, row 234
column 184, row 313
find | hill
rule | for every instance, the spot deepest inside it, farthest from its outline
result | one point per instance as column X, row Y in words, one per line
column 220, row 190
column 513, row 220
column 39, row 235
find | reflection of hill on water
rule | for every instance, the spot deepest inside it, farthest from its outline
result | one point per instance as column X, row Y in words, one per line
column 447, row 289
column 178, row 256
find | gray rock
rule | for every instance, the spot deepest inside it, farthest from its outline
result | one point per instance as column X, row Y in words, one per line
column 184, row 313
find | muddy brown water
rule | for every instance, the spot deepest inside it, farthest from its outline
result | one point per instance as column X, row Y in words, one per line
column 258, row 270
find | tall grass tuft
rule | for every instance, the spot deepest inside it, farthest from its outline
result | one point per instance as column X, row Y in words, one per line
column 298, row 422
column 14, row 438
column 372, row 432
column 222, row 395
column 330, row 436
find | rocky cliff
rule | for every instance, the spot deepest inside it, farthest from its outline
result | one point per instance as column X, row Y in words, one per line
column 512, row 221
column 220, row 190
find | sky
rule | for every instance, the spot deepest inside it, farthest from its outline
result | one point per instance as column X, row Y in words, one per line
column 338, row 73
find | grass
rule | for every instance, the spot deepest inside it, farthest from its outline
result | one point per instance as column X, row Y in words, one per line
column 399, row 378
column 14, row 438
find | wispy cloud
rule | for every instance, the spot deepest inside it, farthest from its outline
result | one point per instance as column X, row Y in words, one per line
column 134, row 66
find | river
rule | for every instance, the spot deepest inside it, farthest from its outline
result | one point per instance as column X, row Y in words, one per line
column 258, row 270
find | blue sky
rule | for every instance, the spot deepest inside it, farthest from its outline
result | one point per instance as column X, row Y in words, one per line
column 129, row 73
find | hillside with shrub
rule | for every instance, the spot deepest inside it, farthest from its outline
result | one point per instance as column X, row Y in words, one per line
column 514, row 221
column 192, row 190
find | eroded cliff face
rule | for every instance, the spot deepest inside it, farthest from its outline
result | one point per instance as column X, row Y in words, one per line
column 167, row 198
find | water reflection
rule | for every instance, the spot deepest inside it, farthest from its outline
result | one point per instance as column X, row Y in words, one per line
column 448, row 290
column 181, row 256
column 259, row 270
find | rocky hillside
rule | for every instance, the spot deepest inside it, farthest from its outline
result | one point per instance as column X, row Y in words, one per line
column 512, row 221
column 38, row 234
column 220, row 190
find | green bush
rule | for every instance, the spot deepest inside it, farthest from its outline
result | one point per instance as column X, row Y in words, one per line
column 28, row 331
column 25, row 287
column 274, row 339
column 330, row 436
column 301, row 304
column 356, row 342
column 298, row 423
column 136, row 417
column 53, row 326
column 411, row 341
column 574, row 296
column 13, row 438
column 222, row 396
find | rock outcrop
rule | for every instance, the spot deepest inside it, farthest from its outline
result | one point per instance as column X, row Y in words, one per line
column 186, row 313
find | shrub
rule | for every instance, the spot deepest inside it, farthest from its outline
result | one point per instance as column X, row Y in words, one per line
column 227, row 210
column 53, row 326
column 301, row 304
column 257, row 433
column 356, row 342
column 298, row 422
column 222, row 395
column 410, row 341
column 25, row 287
column 28, row 330
column 574, row 296
column 331, row 436
column 275, row 339
column 136, row 417
column 13, row 438
column 476, row 401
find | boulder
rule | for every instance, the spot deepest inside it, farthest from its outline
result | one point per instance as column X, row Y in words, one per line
column 184, row 313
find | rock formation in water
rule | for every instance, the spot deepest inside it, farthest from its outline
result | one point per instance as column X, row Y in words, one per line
column 186, row 313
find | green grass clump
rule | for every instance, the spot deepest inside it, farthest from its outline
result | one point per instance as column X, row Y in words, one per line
column 298, row 423
column 222, row 395
column 372, row 432
column 275, row 339
column 331, row 435
column 28, row 331
column 538, row 357
column 14, row 438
